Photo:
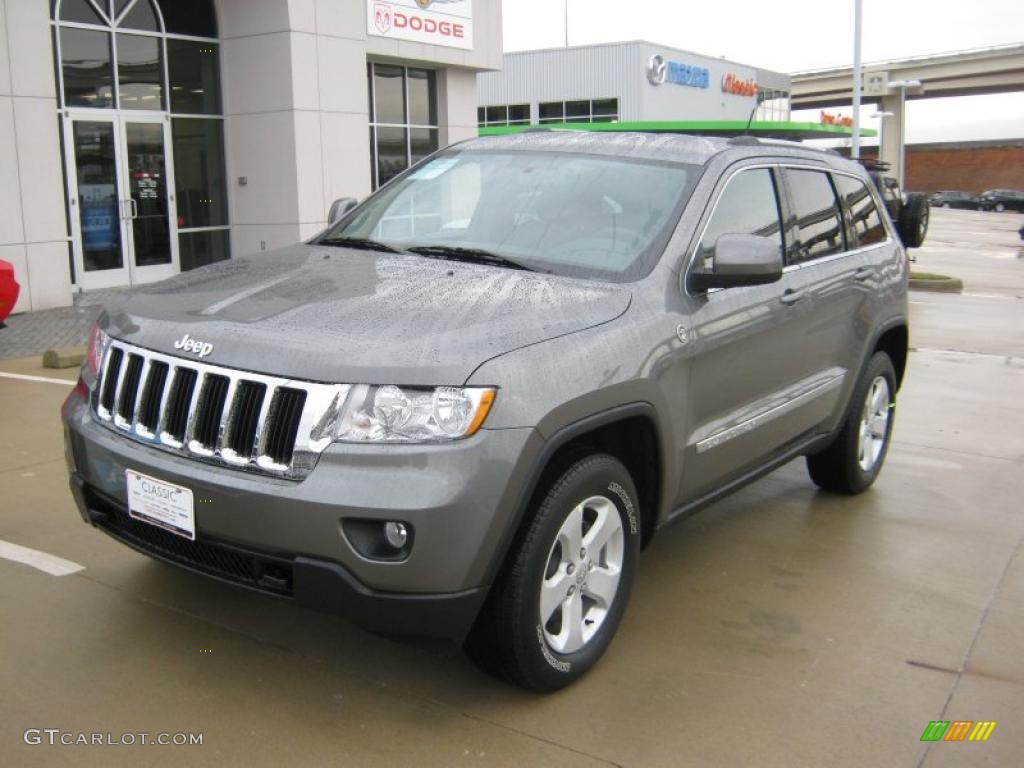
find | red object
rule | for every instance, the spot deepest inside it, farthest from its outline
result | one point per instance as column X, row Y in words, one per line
column 9, row 289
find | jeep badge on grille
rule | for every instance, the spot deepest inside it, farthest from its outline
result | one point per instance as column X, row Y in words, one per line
column 186, row 344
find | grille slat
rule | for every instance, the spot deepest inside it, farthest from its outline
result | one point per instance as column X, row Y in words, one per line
column 247, row 406
column 128, row 391
column 285, row 414
column 210, row 410
column 110, row 379
column 152, row 396
column 246, row 420
column 176, row 418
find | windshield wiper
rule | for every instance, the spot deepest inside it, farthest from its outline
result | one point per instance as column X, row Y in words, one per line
column 470, row 256
column 358, row 242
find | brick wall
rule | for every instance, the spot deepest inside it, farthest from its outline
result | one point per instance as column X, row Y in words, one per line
column 971, row 166
column 931, row 168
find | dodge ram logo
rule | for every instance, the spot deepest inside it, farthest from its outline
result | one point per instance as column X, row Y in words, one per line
column 188, row 344
column 382, row 17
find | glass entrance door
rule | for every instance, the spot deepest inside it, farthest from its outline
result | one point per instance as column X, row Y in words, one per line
column 123, row 223
column 148, row 200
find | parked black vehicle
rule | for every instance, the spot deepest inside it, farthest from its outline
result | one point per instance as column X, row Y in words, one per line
column 955, row 199
column 1001, row 200
column 909, row 210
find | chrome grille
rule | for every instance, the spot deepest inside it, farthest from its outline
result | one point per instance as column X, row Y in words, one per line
column 212, row 413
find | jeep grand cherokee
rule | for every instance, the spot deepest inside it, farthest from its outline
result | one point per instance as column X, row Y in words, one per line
column 462, row 409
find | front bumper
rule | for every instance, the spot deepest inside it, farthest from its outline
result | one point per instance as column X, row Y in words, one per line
column 285, row 537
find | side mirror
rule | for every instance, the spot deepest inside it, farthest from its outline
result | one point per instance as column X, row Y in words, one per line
column 740, row 260
column 339, row 208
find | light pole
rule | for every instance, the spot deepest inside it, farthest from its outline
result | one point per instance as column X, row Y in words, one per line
column 857, row 72
column 881, row 115
column 903, row 85
column 566, row 23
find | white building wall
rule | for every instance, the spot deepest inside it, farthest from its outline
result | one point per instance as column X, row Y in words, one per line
column 670, row 101
column 33, row 228
column 296, row 105
column 619, row 70
column 605, row 71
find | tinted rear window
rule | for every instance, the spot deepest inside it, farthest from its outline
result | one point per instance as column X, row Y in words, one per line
column 819, row 224
column 866, row 226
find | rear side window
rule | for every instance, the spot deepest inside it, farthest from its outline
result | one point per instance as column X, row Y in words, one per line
column 747, row 206
column 865, row 225
column 818, row 219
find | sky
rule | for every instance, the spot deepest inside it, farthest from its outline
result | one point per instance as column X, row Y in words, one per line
column 794, row 35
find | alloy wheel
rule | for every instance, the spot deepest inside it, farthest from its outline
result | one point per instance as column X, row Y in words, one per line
column 874, row 424
column 581, row 578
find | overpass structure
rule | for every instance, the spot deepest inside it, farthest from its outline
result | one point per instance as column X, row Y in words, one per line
column 963, row 73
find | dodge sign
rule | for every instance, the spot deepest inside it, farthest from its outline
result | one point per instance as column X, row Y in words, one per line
column 437, row 22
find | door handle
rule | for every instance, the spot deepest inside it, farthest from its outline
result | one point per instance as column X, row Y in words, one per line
column 863, row 274
column 134, row 208
column 791, row 296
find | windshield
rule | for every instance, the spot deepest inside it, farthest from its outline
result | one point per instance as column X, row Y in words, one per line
column 565, row 213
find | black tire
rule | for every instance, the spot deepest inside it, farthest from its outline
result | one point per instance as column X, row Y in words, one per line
column 508, row 639
column 946, row 205
column 913, row 220
column 837, row 468
column 1000, row 207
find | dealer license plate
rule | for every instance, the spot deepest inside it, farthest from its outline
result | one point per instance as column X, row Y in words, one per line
column 160, row 503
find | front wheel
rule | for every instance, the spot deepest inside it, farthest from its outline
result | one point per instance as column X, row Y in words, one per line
column 1000, row 207
column 555, row 607
column 854, row 459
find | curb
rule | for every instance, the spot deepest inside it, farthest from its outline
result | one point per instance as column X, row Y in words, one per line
column 67, row 357
column 946, row 285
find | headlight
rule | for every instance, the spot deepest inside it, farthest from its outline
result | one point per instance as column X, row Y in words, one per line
column 390, row 414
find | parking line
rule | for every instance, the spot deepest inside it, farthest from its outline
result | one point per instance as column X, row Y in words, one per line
column 42, row 561
column 41, row 379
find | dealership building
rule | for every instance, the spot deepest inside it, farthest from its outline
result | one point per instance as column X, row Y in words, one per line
column 141, row 138
column 636, row 84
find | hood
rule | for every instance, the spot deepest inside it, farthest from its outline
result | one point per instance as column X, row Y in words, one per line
column 339, row 315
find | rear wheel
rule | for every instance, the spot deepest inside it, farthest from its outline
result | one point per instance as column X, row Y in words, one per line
column 555, row 607
column 854, row 459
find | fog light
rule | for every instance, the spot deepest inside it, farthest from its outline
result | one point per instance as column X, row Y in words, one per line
column 396, row 534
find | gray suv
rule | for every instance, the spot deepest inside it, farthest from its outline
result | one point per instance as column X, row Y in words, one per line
column 463, row 409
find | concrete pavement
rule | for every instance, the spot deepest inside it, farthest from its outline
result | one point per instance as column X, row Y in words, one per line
column 781, row 627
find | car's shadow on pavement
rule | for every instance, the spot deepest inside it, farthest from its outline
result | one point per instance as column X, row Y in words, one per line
column 753, row 535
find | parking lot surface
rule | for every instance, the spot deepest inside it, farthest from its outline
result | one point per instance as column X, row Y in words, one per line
column 780, row 627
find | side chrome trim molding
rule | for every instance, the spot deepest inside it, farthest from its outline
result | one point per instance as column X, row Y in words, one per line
column 762, row 418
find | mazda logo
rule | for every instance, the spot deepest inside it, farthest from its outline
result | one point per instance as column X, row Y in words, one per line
column 657, row 69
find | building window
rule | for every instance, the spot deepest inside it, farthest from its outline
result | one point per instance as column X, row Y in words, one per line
column 403, row 118
column 772, row 105
column 123, row 58
column 580, row 111
column 513, row 114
